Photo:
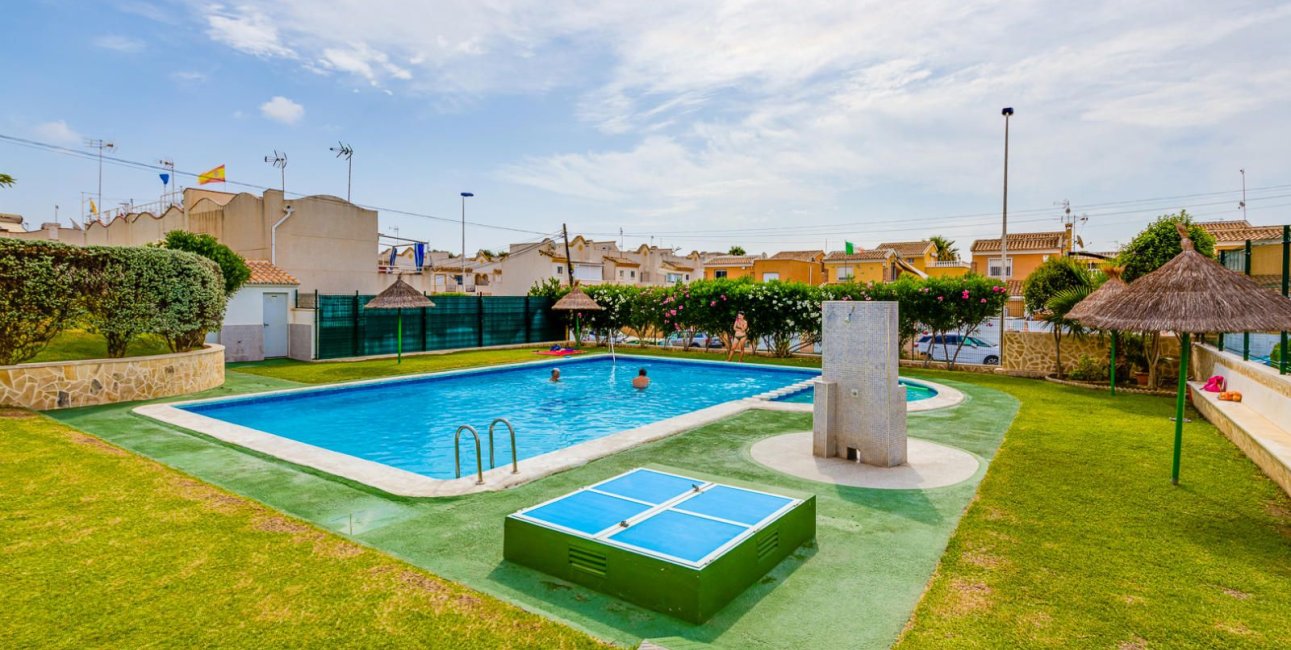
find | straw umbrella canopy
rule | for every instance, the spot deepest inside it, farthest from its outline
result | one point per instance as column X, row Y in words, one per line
column 1191, row 294
column 576, row 301
column 399, row 296
column 1095, row 301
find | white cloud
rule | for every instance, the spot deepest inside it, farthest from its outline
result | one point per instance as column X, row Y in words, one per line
column 188, row 76
column 57, row 132
column 281, row 109
column 247, row 29
column 118, row 43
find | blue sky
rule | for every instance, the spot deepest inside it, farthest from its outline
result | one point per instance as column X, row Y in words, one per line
column 767, row 124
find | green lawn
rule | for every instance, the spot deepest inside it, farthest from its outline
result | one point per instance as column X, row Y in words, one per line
column 103, row 548
column 1078, row 539
column 76, row 344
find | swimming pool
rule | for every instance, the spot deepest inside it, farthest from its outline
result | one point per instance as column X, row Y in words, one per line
column 409, row 423
column 914, row 392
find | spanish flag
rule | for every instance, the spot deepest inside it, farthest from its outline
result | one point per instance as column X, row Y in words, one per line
column 94, row 209
column 215, row 175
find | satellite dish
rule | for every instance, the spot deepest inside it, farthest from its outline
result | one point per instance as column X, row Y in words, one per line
column 1080, row 242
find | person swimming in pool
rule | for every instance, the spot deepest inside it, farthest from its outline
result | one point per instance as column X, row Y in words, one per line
column 641, row 381
column 741, row 338
column 555, row 374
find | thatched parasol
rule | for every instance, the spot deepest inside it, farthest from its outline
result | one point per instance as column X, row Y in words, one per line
column 576, row 301
column 1095, row 301
column 399, row 296
column 1191, row 293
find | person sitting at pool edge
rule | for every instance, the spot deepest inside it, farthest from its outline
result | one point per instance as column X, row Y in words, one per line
column 741, row 338
column 555, row 374
column 641, row 380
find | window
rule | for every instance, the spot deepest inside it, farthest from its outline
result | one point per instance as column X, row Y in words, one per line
column 633, row 274
column 560, row 270
column 673, row 278
column 687, row 277
column 620, row 274
column 846, row 273
column 994, row 268
column 770, row 277
column 719, row 274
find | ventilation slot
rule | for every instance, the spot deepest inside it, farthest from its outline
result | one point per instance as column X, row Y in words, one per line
column 768, row 544
column 587, row 561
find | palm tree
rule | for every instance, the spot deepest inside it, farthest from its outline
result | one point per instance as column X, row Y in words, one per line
column 944, row 249
column 1055, row 313
column 6, row 180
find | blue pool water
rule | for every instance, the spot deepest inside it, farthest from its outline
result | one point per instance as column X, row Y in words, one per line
column 914, row 391
column 676, row 517
column 409, row 423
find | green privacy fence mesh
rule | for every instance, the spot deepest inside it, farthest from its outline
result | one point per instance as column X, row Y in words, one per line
column 346, row 329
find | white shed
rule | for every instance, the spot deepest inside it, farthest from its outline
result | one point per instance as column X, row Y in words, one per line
column 256, row 321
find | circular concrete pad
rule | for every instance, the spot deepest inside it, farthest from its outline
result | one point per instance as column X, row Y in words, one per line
column 929, row 465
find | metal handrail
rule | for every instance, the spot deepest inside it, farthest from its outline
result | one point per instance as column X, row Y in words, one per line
column 457, row 453
column 515, row 463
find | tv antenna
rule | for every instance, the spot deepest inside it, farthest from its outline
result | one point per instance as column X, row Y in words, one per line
column 1242, row 205
column 1069, row 220
column 169, row 180
column 279, row 160
column 345, row 151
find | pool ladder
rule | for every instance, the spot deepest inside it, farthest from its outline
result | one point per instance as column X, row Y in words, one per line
column 479, row 458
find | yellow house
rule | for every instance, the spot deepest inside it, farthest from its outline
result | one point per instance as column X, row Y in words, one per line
column 1027, row 251
column 1266, row 248
column 922, row 255
column 791, row 266
column 875, row 265
column 730, row 266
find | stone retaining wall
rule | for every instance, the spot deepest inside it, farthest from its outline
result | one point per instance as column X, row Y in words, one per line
column 1032, row 352
column 64, row 384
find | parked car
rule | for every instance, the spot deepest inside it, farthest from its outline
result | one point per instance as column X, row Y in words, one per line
column 701, row 340
column 974, row 350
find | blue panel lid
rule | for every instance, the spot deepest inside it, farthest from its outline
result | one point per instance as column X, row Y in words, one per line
column 587, row 512
column 649, row 486
column 679, row 535
column 726, row 502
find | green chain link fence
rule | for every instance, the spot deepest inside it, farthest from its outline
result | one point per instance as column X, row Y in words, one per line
column 346, row 329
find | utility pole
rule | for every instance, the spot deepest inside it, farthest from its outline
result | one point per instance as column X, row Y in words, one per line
column 1242, row 205
column 100, row 144
column 465, row 195
column 569, row 261
column 1007, row 112
column 347, row 152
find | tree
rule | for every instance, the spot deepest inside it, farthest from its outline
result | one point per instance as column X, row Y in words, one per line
column 233, row 268
column 1149, row 251
column 6, row 180
column 736, row 250
column 1056, row 277
column 1159, row 243
column 122, row 292
column 944, row 249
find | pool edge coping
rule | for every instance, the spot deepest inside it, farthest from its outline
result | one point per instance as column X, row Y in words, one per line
column 403, row 483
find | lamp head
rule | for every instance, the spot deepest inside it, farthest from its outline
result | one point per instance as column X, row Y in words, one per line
column 1008, row 110
column 467, row 194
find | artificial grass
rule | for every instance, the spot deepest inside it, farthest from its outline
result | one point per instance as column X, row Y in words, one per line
column 104, row 548
column 1078, row 539
column 875, row 550
column 77, row 344
column 326, row 372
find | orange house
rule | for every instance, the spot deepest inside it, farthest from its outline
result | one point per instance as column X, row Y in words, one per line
column 791, row 266
column 730, row 266
column 1027, row 251
column 922, row 255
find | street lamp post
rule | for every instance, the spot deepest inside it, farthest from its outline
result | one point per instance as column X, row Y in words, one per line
column 100, row 144
column 465, row 195
column 1004, row 235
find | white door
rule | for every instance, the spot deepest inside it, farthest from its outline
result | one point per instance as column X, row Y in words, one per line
column 275, row 325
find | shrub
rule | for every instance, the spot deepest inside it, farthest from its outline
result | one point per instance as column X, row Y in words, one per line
column 123, row 288
column 40, row 288
column 1087, row 369
column 190, row 301
column 233, row 269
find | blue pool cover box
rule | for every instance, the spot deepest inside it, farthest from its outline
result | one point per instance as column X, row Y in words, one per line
column 671, row 543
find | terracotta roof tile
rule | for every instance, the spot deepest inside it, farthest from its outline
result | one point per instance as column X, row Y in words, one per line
column 732, row 260
column 1023, row 241
column 907, row 248
column 1240, row 230
column 871, row 255
column 801, row 256
column 265, row 273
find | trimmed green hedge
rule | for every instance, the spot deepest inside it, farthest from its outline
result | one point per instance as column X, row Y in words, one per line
column 119, row 292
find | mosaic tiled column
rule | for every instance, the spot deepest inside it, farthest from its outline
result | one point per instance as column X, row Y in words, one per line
column 860, row 409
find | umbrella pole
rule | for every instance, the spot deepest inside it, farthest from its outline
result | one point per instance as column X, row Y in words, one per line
column 399, row 337
column 1112, row 365
column 1178, row 405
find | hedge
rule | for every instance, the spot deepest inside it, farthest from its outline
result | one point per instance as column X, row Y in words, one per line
column 780, row 313
column 119, row 292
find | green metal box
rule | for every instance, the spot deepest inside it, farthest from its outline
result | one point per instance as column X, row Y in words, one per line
column 670, row 543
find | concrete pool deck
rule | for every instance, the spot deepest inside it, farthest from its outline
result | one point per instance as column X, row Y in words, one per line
column 876, row 549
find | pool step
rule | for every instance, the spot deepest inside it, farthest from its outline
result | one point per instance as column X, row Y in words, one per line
column 787, row 390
